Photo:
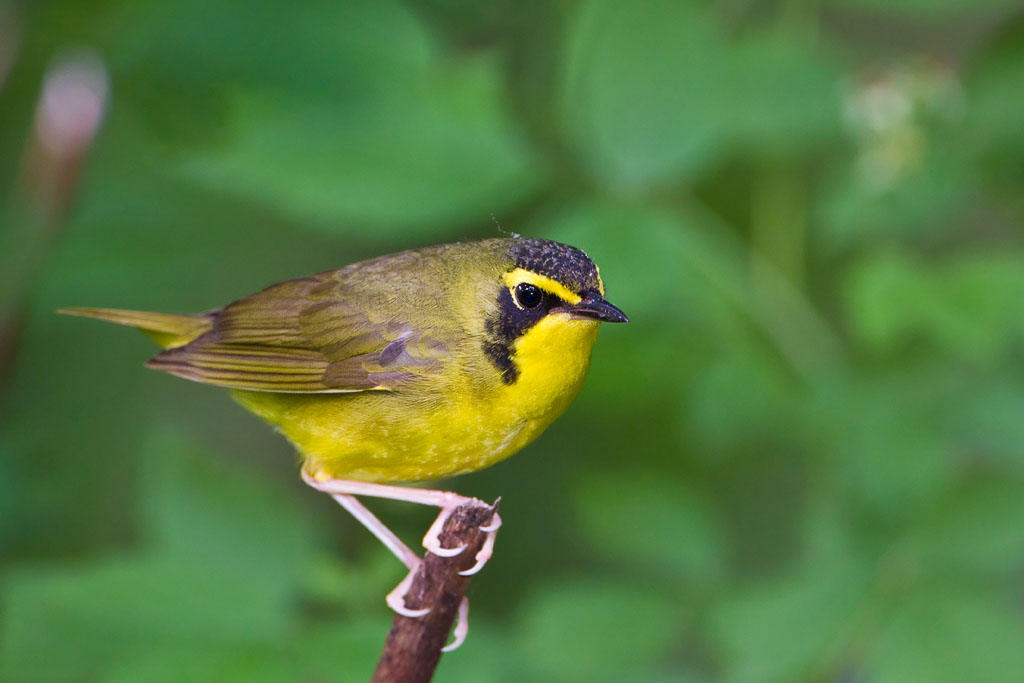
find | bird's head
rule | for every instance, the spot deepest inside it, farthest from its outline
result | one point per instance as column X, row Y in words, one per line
column 550, row 296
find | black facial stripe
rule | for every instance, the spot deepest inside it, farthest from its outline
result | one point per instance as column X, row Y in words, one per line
column 500, row 355
column 510, row 323
column 560, row 262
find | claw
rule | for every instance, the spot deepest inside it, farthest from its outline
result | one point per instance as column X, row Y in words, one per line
column 396, row 598
column 461, row 627
column 437, row 549
column 488, row 548
column 493, row 526
column 495, row 520
column 432, row 541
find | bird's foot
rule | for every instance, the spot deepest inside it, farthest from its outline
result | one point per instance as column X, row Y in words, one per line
column 396, row 601
column 432, row 541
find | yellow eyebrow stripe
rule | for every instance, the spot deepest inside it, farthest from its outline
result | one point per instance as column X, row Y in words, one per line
column 519, row 275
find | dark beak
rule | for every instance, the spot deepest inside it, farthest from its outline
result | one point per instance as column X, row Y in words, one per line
column 594, row 306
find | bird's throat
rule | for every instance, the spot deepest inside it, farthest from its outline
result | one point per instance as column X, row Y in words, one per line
column 551, row 361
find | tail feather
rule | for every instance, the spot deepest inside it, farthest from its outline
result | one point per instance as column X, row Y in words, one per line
column 166, row 329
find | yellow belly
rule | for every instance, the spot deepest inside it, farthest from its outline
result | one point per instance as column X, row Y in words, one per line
column 457, row 424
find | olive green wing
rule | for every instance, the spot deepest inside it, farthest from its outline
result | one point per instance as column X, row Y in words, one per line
column 311, row 335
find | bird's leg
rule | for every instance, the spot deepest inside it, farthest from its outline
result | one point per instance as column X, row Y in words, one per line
column 446, row 500
column 378, row 529
column 396, row 598
column 344, row 492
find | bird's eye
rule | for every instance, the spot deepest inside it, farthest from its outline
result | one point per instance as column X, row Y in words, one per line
column 528, row 296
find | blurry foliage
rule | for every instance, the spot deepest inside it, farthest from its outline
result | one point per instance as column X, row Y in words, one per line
column 802, row 460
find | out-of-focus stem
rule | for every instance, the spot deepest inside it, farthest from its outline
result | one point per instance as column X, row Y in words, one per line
column 777, row 274
column 800, row 16
column 67, row 117
column 10, row 40
column 778, row 221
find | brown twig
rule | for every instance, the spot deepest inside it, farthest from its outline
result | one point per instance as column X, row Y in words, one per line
column 413, row 647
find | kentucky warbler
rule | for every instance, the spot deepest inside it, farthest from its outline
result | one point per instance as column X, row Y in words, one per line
column 414, row 366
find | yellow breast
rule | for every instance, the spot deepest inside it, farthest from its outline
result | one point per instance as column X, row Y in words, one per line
column 459, row 424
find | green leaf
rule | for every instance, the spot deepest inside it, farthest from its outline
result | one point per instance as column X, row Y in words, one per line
column 491, row 654
column 925, row 9
column 986, row 417
column 782, row 95
column 895, row 454
column 346, row 652
column 993, row 96
column 854, row 211
column 656, row 89
column 645, row 519
column 65, row 624
column 681, row 282
column 948, row 635
column 969, row 305
column 881, row 293
column 724, row 413
column 313, row 49
column 197, row 508
column 656, row 264
column 632, row 99
column 223, row 566
column 426, row 142
column 581, row 630
column 978, row 530
column 785, row 629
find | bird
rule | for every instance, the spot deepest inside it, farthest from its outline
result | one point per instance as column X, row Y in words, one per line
column 415, row 366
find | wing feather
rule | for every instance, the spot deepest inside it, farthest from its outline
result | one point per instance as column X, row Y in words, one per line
column 305, row 336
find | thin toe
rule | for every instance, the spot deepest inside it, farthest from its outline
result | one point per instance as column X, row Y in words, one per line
column 461, row 627
column 398, row 606
column 432, row 541
column 482, row 557
column 437, row 549
column 396, row 598
column 494, row 525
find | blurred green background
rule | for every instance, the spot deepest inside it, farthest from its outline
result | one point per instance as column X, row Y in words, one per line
column 802, row 461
